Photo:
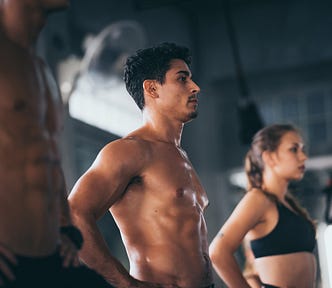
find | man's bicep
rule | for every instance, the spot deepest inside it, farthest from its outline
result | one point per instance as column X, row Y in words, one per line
column 90, row 195
column 107, row 179
column 98, row 189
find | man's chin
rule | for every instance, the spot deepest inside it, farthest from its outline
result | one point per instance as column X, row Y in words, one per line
column 192, row 116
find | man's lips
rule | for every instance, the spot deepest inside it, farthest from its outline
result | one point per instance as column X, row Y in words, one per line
column 193, row 99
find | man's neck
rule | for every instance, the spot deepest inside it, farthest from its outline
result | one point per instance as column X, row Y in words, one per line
column 164, row 131
column 162, row 127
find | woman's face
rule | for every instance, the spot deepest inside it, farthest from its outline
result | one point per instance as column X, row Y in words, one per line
column 289, row 158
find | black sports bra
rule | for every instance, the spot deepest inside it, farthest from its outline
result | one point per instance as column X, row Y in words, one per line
column 293, row 233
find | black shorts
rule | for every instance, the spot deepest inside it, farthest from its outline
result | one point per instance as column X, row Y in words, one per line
column 48, row 272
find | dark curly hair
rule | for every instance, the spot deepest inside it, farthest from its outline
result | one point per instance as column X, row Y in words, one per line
column 151, row 63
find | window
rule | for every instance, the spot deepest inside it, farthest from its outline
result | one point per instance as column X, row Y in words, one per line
column 305, row 108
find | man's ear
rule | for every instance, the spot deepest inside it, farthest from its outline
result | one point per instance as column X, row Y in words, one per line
column 150, row 88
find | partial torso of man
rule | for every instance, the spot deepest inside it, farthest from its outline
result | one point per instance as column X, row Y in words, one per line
column 160, row 217
column 30, row 173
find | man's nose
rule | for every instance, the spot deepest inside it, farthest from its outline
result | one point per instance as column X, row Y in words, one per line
column 195, row 88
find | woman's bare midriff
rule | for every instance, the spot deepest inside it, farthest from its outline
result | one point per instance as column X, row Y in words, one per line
column 296, row 270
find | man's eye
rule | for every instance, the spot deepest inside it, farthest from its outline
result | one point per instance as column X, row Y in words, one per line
column 183, row 79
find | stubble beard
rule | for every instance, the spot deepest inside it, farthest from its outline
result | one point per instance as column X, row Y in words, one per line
column 191, row 116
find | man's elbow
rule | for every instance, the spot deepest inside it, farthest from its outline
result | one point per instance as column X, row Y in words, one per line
column 76, row 209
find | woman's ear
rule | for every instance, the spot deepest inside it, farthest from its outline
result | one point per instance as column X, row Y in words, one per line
column 268, row 158
column 150, row 88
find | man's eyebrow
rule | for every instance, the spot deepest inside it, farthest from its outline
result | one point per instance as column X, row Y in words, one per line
column 184, row 72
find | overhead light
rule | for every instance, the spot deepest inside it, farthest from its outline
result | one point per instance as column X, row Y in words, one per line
column 112, row 110
column 98, row 95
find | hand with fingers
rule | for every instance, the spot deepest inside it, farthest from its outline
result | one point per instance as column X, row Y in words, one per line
column 7, row 262
column 68, row 252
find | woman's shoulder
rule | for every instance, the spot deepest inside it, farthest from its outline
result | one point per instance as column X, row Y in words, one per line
column 259, row 197
column 256, row 206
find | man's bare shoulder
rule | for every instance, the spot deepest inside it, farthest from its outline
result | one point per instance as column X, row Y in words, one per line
column 128, row 144
column 126, row 151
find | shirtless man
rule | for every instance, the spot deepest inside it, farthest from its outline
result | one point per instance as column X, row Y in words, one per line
column 33, row 202
column 148, row 184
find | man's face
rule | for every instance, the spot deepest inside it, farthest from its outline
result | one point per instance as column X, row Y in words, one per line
column 178, row 94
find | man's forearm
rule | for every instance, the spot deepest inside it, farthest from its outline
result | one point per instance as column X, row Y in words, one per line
column 96, row 255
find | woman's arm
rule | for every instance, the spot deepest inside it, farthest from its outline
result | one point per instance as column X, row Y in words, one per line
column 247, row 214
